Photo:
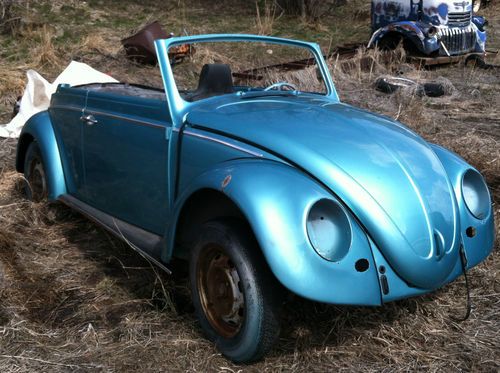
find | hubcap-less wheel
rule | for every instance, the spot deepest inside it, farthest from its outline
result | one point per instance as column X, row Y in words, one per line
column 235, row 295
column 220, row 292
column 37, row 180
column 34, row 174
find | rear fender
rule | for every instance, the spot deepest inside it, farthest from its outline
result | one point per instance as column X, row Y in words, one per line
column 39, row 128
column 275, row 199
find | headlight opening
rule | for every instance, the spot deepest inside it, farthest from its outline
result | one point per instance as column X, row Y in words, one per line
column 475, row 194
column 329, row 230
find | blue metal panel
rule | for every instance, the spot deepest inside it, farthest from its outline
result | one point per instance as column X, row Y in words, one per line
column 481, row 37
column 275, row 198
column 126, row 159
column 65, row 111
column 413, row 31
column 387, row 175
column 40, row 128
column 396, row 287
column 215, row 149
column 480, row 246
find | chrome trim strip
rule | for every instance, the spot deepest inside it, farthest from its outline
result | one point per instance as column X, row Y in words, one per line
column 66, row 107
column 189, row 133
column 132, row 120
column 114, row 116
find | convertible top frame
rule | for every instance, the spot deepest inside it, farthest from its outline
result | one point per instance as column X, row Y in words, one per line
column 179, row 107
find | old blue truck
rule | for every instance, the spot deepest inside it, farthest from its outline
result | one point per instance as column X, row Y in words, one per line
column 440, row 29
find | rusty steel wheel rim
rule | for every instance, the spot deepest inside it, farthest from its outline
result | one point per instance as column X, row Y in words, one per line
column 37, row 181
column 220, row 291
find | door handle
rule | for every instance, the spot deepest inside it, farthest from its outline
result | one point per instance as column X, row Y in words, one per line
column 89, row 119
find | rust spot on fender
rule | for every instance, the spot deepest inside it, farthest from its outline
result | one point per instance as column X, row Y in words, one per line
column 408, row 27
column 226, row 181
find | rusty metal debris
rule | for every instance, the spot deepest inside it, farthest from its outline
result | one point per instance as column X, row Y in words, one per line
column 140, row 46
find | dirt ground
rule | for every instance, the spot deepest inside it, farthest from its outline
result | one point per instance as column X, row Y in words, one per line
column 73, row 298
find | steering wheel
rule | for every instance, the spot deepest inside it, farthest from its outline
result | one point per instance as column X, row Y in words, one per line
column 280, row 85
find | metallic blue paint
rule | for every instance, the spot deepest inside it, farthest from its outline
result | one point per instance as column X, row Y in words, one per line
column 329, row 230
column 402, row 196
column 275, row 198
column 39, row 128
column 129, row 157
column 479, row 246
column 65, row 112
column 387, row 175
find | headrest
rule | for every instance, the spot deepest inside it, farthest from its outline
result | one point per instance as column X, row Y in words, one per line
column 215, row 78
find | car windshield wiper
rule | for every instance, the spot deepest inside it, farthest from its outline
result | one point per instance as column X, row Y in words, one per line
column 254, row 94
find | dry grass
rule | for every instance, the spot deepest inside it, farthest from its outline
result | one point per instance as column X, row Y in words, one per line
column 265, row 18
column 72, row 298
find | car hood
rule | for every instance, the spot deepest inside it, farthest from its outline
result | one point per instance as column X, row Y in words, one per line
column 387, row 175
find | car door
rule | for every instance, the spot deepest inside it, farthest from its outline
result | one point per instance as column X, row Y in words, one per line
column 125, row 156
column 65, row 111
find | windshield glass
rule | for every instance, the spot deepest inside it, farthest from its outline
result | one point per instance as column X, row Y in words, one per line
column 210, row 69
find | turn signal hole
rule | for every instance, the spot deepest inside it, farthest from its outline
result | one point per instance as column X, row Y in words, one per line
column 362, row 265
column 470, row 232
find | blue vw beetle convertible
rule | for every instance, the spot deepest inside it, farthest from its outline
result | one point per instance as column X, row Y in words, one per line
column 256, row 173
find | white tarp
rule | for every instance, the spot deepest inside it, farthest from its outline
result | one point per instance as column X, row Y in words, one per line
column 38, row 91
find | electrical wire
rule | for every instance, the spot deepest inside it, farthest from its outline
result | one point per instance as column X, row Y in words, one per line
column 463, row 260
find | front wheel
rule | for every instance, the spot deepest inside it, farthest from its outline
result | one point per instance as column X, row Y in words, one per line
column 34, row 174
column 235, row 295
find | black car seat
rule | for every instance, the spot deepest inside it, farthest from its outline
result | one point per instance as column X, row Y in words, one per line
column 215, row 79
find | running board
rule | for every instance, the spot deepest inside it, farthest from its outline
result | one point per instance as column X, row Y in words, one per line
column 145, row 243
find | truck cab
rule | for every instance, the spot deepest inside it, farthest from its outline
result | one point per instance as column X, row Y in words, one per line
column 428, row 28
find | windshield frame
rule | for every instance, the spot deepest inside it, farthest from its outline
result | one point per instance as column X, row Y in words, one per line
column 179, row 107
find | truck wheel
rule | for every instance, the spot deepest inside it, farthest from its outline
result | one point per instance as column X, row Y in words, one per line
column 34, row 174
column 235, row 295
column 390, row 42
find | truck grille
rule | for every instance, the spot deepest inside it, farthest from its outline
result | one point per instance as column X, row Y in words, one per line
column 457, row 40
column 459, row 19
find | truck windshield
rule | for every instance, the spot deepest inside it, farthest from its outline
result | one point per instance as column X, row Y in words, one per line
column 217, row 68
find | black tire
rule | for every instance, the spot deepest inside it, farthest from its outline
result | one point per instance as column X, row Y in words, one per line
column 392, row 84
column 34, row 174
column 225, row 254
column 477, row 61
column 384, row 86
column 432, row 89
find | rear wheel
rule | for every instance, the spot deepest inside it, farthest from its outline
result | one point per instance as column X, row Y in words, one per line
column 235, row 295
column 34, row 174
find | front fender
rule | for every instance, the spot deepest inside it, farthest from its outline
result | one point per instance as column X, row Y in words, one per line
column 480, row 246
column 409, row 30
column 481, row 35
column 275, row 199
column 39, row 128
